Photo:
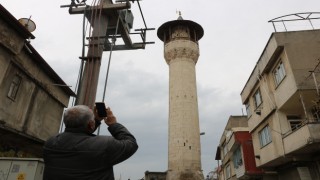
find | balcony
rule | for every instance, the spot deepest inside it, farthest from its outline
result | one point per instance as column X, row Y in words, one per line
column 232, row 144
column 304, row 140
column 240, row 171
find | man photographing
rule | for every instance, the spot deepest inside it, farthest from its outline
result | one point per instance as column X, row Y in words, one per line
column 78, row 154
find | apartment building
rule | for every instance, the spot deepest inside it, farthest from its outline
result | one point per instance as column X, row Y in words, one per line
column 236, row 151
column 282, row 101
column 32, row 95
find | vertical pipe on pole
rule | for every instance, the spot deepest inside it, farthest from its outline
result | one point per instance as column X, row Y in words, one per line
column 315, row 82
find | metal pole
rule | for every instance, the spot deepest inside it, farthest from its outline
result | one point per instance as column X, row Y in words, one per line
column 284, row 25
column 92, row 69
column 274, row 27
column 311, row 24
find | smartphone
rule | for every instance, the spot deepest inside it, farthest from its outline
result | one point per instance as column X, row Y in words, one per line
column 101, row 109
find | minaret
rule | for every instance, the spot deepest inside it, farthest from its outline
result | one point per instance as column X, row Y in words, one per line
column 181, row 52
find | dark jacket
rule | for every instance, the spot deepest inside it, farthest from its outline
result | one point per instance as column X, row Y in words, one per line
column 75, row 154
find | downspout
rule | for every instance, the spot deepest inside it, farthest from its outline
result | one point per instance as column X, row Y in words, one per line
column 276, row 112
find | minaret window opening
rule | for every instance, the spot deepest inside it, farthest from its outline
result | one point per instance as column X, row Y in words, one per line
column 193, row 35
column 180, row 32
column 167, row 36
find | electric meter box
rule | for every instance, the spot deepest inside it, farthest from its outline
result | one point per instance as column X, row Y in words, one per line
column 21, row 168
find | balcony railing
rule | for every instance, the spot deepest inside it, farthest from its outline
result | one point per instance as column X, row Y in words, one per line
column 301, row 138
column 240, row 171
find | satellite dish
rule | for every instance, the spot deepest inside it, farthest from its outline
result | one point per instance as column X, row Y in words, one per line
column 28, row 24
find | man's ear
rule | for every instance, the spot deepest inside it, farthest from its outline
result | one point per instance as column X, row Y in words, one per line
column 91, row 126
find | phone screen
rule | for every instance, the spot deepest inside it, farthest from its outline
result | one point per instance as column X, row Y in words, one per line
column 101, row 109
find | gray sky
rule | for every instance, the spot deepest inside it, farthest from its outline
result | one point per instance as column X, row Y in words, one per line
column 235, row 33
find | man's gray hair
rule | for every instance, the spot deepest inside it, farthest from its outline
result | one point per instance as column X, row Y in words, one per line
column 77, row 116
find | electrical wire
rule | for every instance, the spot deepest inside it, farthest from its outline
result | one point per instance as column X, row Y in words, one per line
column 109, row 61
column 145, row 25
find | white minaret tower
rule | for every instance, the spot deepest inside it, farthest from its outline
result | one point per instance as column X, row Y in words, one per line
column 181, row 52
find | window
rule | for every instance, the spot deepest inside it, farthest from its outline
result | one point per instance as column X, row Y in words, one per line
column 248, row 109
column 237, row 158
column 14, row 87
column 257, row 98
column 228, row 171
column 265, row 136
column 279, row 73
column 225, row 149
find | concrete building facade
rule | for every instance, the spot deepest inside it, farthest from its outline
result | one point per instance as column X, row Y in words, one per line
column 32, row 95
column 181, row 52
column 282, row 103
column 235, row 151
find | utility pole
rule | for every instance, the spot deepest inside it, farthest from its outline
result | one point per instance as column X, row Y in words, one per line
column 108, row 20
column 88, row 86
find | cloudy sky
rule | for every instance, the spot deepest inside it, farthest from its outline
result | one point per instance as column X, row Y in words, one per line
column 235, row 33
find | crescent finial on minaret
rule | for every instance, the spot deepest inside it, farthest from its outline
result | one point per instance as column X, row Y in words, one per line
column 179, row 17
